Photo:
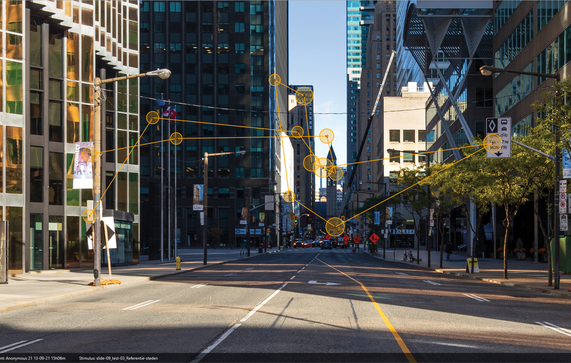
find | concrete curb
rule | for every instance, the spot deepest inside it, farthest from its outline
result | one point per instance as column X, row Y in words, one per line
column 102, row 288
column 562, row 293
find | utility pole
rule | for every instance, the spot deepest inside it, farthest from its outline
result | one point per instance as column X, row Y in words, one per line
column 249, row 206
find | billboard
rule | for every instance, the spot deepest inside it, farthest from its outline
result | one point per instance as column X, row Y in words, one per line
column 82, row 166
column 198, row 197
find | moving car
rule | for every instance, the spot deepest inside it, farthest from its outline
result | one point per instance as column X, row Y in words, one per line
column 326, row 245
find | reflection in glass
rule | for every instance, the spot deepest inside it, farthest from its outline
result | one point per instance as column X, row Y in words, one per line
column 122, row 147
column 56, row 178
column 73, row 56
column 1, row 88
column 36, row 241
column 36, row 79
column 14, row 218
column 56, row 243
column 36, row 174
column 122, row 191
column 14, row 87
column 14, row 162
column 72, row 122
column 134, row 150
column 1, row 159
column 86, row 123
column 74, row 255
column 14, row 16
column 72, row 91
column 36, row 108
column 134, row 193
column 72, row 195
column 110, row 194
column 134, row 95
column 55, row 121
column 87, row 59
column 13, row 46
column 55, row 89
column 56, row 55
column 122, row 96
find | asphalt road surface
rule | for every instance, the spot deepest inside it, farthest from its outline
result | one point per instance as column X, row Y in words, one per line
column 297, row 305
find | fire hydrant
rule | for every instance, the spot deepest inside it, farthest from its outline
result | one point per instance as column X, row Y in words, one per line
column 178, row 262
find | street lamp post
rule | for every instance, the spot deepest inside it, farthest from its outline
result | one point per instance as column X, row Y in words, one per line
column 488, row 71
column 205, row 197
column 162, row 74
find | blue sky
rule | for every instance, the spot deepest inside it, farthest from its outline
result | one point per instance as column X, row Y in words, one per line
column 317, row 56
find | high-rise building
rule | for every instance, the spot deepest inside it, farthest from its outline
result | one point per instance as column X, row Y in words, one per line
column 359, row 18
column 301, row 115
column 54, row 51
column 221, row 55
column 530, row 36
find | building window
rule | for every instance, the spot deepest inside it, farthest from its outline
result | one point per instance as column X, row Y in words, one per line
column 394, row 135
column 421, row 137
column 408, row 135
column 484, row 96
column 394, row 156
column 408, row 156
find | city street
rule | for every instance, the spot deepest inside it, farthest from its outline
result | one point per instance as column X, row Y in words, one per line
column 346, row 306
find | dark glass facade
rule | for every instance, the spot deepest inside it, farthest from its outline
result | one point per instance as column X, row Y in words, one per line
column 221, row 55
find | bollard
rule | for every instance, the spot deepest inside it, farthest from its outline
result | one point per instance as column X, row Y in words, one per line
column 178, row 262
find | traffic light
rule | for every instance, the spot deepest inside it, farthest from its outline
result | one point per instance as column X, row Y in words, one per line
column 295, row 220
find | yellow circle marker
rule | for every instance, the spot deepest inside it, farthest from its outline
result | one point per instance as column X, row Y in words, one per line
column 153, row 117
column 88, row 154
column 89, row 216
column 323, row 169
column 289, row 196
column 275, row 80
column 493, row 143
column 297, row 132
column 326, row 136
column 304, row 95
column 335, row 226
column 176, row 138
column 336, row 173
column 309, row 163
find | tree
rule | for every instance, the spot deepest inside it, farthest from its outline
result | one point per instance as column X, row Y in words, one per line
column 413, row 195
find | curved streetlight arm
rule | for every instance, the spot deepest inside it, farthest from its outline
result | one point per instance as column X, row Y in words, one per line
column 489, row 70
column 161, row 73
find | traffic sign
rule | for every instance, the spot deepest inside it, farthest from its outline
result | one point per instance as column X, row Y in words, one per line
column 328, row 237
column 356, row 239
column 374, row 238
column 501, row 127
column 563, row 222
column 562, row 186
column 346, row 239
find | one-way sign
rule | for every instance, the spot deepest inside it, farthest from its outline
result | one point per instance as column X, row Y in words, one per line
column 502, row 127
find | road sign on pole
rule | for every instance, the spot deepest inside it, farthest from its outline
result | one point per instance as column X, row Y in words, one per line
column 501, row 127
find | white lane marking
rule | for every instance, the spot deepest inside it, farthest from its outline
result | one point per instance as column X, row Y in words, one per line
column 323, row 283
column 293, row 277
column 303, row 268
column 227, row 333
column 431, row 282
column 143, row 304
column 9, row 345
column 250, row 268
column 449, row 344
column 472, row 296
column 14, row 346
column 230, row 274
column 401, row 273
column 198, row 286
column 550, row 326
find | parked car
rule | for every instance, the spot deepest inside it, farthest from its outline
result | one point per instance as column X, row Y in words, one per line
column 326, row 245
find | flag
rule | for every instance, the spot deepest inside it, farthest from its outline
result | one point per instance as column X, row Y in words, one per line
column 173, row 113
column 161, row 103
column 167, row 112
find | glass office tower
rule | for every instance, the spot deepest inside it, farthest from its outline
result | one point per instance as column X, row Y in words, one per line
column 221, row 54
column 54, row 50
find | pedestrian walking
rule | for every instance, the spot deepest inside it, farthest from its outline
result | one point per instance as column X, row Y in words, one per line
column 448, row 251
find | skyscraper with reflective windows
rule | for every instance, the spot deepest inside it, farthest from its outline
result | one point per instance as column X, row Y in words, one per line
column 53, row 52
column 221, row 54
column 359, row 17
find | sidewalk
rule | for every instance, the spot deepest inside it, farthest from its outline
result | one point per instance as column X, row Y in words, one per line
column 23, row 290
column 521, row 273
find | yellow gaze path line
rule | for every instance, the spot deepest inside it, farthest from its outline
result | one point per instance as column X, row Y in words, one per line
column 390, row 326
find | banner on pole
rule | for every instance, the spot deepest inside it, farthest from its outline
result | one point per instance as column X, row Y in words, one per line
column 198, row 197
column 83, row 166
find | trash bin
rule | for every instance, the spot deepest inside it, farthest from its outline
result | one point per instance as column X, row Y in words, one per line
column 3, row 252
column 564, row 254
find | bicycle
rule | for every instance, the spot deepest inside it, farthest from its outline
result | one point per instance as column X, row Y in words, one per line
column 408, row 257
